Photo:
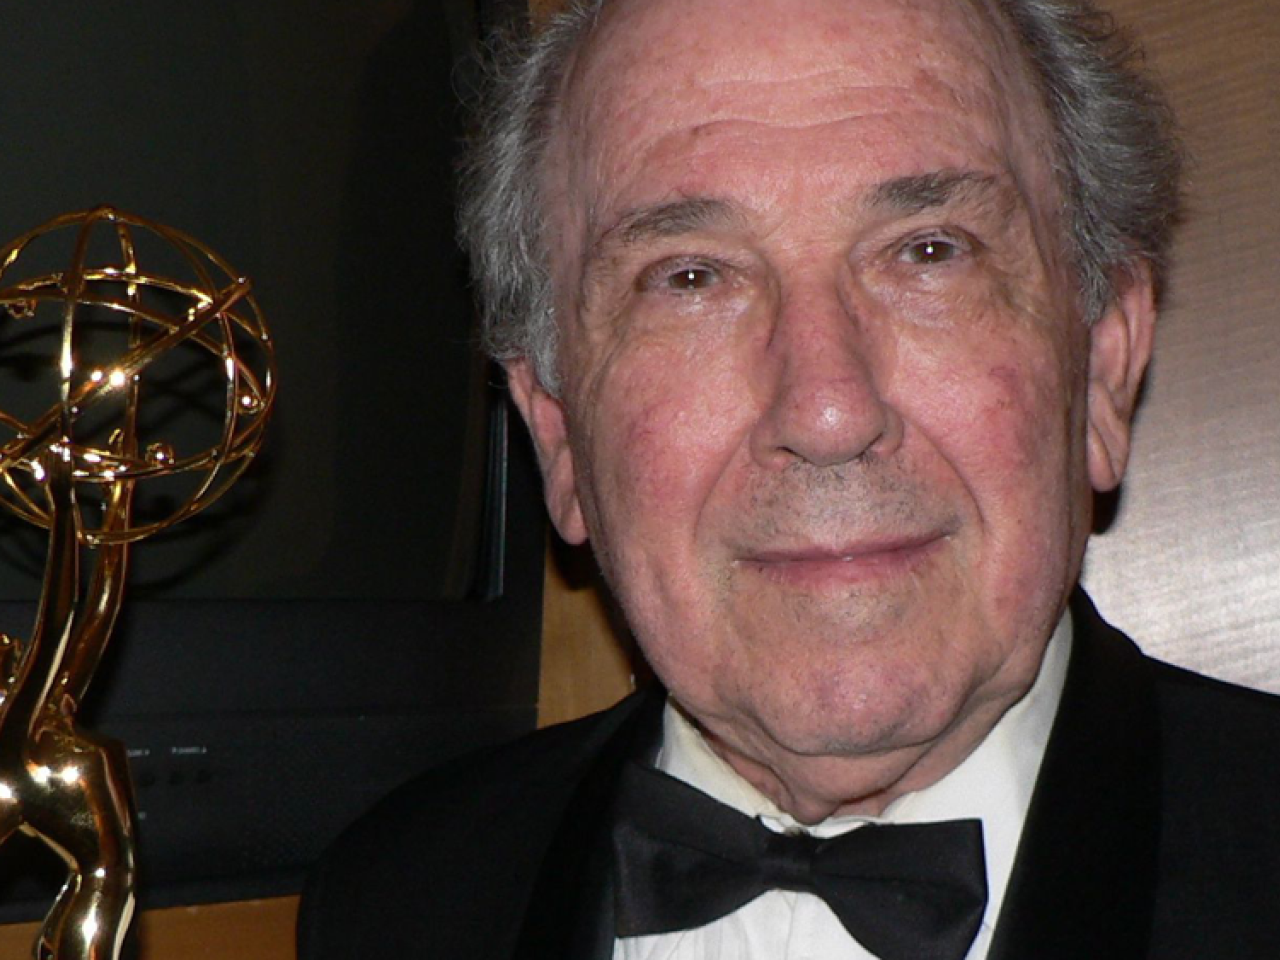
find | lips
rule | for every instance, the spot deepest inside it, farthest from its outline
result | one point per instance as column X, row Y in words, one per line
column 860, row 562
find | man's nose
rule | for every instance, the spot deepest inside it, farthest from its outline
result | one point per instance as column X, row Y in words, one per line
column 825, row 377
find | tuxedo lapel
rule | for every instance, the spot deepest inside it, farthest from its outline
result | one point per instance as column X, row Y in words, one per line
column 570, row 912
column 1083, row 882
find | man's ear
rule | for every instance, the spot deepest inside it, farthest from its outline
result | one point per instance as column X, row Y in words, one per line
column 546, row 419
column 1120, row 344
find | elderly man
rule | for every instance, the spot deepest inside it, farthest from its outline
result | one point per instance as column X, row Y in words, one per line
column 828, row 318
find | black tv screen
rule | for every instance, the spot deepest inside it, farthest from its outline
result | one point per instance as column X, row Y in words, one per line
column 366, row 600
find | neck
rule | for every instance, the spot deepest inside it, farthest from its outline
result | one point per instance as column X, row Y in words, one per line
column 814, row 788
column 746, row 769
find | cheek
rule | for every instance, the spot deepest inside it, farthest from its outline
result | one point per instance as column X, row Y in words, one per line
column 1003, row 422
column 645, row 453
column 1026, row 411
column 1020, row 468
column 1004, row 412
column 659, row 442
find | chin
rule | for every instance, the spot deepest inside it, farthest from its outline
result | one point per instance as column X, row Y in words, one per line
column 855, row 713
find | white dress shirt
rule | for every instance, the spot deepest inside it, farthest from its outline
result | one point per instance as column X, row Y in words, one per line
column 993, row 785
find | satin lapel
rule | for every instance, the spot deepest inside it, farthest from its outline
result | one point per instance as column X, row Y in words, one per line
column 570, row 912
column 1083, row 883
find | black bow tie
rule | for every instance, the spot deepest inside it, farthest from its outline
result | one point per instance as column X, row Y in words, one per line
column 903, row 891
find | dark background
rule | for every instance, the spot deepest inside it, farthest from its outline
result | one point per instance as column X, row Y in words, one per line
column 366, row 599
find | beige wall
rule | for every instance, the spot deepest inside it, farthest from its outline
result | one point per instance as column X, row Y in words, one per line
column 1191, row 565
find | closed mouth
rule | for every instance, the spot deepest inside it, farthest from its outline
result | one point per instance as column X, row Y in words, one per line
column 863, row 560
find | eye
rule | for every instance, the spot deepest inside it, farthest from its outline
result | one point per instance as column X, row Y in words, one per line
column 932, row 250
column 692, row 278
column 680, row 277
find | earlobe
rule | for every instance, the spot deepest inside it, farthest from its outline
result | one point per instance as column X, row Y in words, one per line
column 1120, row 343
column 545, row 417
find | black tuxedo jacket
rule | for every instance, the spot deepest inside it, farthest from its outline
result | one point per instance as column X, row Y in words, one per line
column 1154, row 832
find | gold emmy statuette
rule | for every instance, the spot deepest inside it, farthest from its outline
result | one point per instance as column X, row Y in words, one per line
column 113, row 329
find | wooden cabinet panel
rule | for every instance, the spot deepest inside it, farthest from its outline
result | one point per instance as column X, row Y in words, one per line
column 251, row 930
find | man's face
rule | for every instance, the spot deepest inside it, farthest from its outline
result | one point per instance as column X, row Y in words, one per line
column 826, row 391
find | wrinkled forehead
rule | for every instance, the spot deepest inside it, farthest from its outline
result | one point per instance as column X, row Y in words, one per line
column 653, row 47
column 653, row 65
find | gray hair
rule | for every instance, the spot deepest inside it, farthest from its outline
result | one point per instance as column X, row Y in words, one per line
column 501, row 217
column 1117, row 160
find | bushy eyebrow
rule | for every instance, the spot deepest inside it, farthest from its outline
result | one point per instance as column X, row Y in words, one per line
column 672, row 218
column 927, row 191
